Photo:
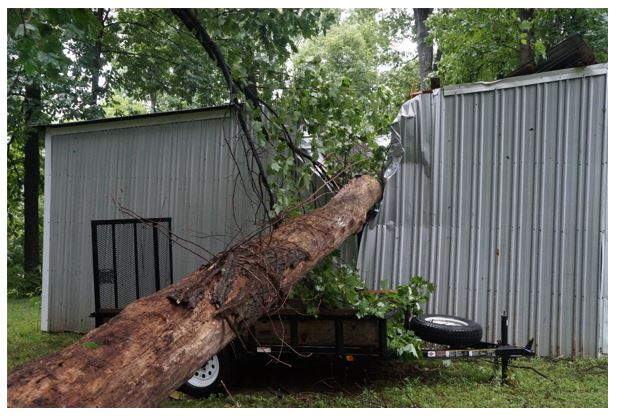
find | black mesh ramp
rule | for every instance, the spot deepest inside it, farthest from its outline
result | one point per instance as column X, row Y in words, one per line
column 105, row 277
column 125, row 264
column 145, row 260
column 131, row 259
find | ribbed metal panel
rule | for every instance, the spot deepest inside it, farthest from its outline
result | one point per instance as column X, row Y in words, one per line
column 500, row 201
column 180, row 170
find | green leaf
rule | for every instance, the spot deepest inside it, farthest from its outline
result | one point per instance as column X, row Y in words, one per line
column 24, row 28
column 90, row 345
column 539, row 48
column 275, row 167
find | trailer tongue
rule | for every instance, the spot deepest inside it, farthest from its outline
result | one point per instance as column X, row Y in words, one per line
column 502, row 350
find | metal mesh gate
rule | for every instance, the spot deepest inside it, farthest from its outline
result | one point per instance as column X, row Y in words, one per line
column 131, row 259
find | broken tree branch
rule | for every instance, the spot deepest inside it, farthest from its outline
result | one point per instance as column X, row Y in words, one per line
column 249, row 91
column 191, row 22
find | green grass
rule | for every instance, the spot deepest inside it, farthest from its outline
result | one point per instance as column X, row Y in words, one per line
column 569, row 383
column 25, row 340
column 580, row 382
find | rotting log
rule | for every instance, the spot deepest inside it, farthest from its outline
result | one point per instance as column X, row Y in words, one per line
column 157, row 342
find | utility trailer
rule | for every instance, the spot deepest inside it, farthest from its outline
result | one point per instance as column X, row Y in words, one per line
column 343, row 336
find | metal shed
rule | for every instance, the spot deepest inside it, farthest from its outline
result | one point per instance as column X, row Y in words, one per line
column 497, row 193
column 176, row 165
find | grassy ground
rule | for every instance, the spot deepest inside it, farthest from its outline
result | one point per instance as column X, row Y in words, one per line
column 25, row 341
column 435, row 384
column 579, row 382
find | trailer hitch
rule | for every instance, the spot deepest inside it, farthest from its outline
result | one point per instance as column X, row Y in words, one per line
column 501, row 350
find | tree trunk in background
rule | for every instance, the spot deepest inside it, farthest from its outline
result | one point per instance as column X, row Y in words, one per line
column 152, row 98
column 527, row 59
column 157, row 342
column 32, row 174
column 424, row 50
column 437, row 59
column 101, row 15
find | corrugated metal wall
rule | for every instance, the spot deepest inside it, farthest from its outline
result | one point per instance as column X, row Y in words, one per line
column 178, row 170
column 501, row 202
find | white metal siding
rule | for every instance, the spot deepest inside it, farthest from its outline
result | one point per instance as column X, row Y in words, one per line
column 505, row 209
column 178, row 170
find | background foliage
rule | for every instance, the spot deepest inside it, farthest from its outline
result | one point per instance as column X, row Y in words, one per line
column 484, row 44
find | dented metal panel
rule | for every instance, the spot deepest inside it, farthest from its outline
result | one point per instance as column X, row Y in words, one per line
column 500, row 200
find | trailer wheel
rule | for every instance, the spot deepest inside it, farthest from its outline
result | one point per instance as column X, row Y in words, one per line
column 446, row 330
column 207, row 379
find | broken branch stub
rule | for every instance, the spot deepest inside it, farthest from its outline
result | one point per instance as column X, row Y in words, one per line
column 157, row 342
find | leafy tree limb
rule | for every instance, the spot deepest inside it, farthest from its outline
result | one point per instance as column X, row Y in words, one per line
column 191, row 22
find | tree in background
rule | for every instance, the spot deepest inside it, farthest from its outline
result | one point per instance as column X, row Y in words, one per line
column 162, row 66
column 554, row 25
column 425, row 50
column 341, row 94
column 38, row 68
column 91, row 65
column 486, row 44
column 527, row 39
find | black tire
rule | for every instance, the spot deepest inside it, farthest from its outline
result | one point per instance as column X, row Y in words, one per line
column 203, row 384
column 446, row 330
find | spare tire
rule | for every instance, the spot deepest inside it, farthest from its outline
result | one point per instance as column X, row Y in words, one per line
column 446, row 330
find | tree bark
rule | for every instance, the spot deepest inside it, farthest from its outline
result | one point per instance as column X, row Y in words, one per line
column 97, row 63
column 526, row 58
column 32, row 174
column 152, row 96
column 437, row 59
column 424, row 50
column 157, row 342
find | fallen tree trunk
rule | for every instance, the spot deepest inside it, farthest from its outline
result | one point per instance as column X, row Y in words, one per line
column 157, row 342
